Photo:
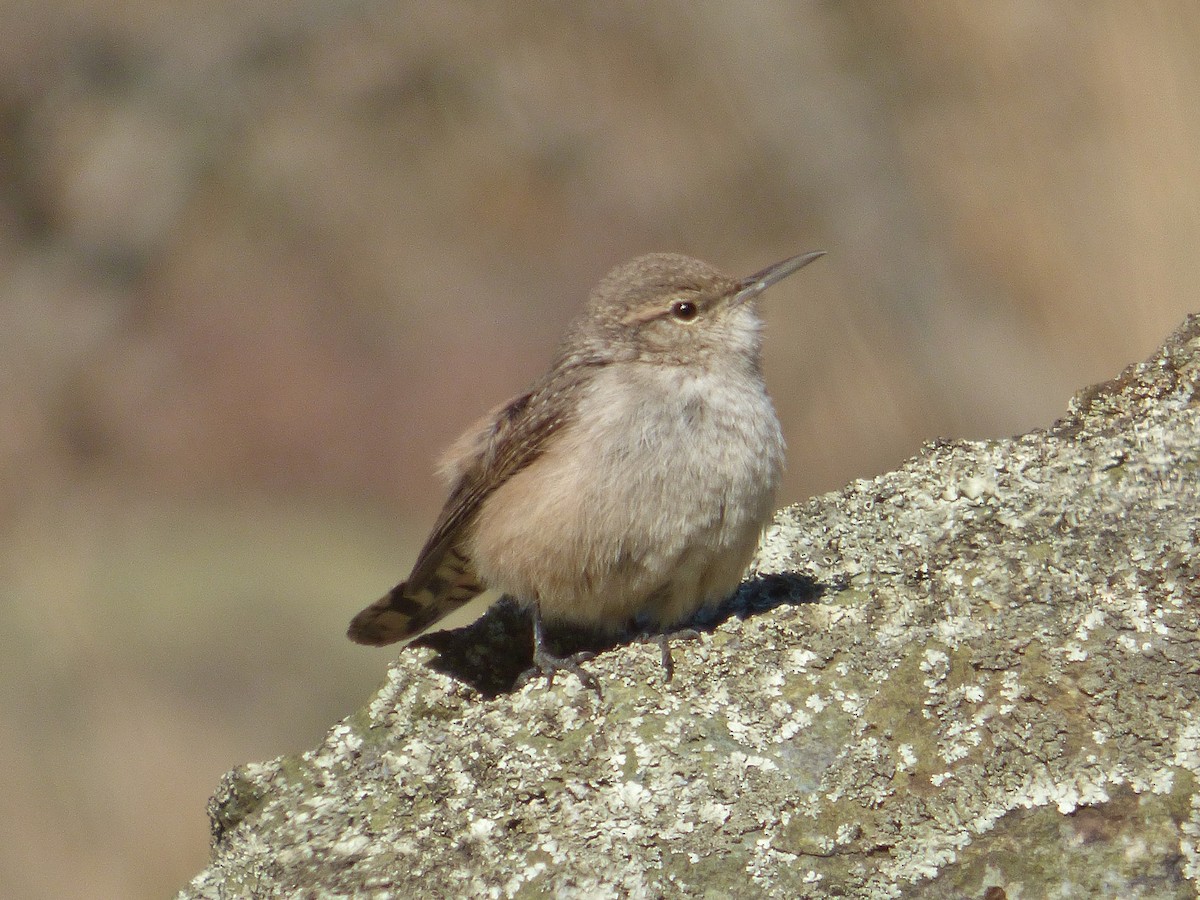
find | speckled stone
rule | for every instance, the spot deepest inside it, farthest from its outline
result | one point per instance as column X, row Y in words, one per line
column 991, row 690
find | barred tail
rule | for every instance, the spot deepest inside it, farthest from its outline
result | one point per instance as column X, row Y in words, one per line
column 403, row 613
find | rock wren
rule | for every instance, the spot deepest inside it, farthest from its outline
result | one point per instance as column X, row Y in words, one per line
column 629, row 484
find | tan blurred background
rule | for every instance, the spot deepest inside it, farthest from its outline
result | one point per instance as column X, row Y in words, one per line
column 260, row 260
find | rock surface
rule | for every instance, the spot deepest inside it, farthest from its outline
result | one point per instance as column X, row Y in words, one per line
column 976, row 676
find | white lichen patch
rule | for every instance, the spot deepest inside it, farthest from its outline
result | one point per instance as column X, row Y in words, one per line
column 801, row 658
column 351, row 845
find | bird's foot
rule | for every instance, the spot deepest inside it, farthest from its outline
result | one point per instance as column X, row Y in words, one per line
column 663, row 639
column 548, row 664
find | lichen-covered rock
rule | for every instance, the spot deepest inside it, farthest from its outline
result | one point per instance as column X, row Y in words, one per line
column 982, row 681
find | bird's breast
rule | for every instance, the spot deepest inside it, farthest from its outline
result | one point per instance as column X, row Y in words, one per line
column 657, row 471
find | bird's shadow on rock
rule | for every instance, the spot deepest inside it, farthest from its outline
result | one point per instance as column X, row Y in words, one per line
column 492, row 653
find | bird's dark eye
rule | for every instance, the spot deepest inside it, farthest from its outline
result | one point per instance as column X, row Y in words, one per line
column 684, row 310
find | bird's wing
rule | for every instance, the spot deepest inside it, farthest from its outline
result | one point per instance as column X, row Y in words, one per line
column 485, row 457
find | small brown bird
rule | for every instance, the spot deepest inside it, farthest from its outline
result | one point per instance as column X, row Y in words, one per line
column 631, row 482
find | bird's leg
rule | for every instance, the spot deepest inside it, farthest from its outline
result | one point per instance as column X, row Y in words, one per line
column 547, row 664
column 663, row 639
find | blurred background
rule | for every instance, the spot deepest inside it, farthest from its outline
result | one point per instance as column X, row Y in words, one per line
column 260, row 261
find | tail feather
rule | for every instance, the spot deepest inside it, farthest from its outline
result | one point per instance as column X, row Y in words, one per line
column 404, row 612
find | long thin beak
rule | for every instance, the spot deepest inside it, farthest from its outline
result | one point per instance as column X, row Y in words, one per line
column 751, row 287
